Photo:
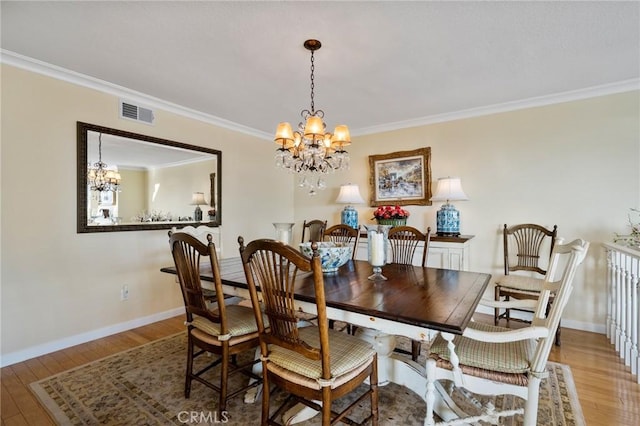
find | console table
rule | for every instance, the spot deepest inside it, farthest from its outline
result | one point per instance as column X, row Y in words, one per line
column 444, row 252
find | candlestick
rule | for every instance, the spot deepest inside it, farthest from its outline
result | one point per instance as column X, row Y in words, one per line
column 377, row 253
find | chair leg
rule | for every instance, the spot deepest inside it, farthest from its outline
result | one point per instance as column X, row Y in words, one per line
column 265, row 395
column 326, row 406
column 224, row 378
column 430, row 396
column 496, row 311
column 531, row 405
column 507, row 311
column 415, row 349
column 189, row 373
column 373, row 384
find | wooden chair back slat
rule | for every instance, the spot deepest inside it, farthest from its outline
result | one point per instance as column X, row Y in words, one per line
column 315, row 229
column 527, row 241
column 273, row 268
column 404, row 240
column 187, row 252
column 344, row 234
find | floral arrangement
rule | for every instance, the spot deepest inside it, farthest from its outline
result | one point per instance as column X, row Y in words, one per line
column 632, row 239
column 212, row 212
column 390, row 212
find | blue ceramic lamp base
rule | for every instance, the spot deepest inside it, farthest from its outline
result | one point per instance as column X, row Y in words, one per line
column 448, row 221
column 350, row 217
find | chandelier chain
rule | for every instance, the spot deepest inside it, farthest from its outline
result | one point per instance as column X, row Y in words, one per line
column 312, row 83
column 100, row 148
column 99, row 177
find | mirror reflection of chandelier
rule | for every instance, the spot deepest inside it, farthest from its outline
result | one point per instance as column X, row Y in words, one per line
column 310, row 150
column 99, row 178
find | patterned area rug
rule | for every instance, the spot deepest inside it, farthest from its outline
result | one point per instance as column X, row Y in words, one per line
column 144, row 386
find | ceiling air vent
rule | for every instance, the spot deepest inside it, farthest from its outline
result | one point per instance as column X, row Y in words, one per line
column 135, row 112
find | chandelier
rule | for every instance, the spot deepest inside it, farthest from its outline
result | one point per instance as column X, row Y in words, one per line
column 99, row 177
column 310, row 151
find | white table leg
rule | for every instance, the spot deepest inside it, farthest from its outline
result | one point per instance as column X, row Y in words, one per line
column 383, row 344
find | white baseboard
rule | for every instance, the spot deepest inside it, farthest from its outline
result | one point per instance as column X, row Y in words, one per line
column 565, row 323
column 56, row 345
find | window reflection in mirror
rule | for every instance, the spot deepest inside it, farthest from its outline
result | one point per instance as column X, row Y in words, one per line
column 157, row 180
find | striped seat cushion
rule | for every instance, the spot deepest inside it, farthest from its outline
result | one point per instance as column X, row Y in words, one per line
column 517, row 282
column 240, row 320
column 510, row 357
column 347, row 354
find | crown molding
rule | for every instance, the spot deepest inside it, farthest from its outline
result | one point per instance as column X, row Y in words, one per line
column 20, row 61
column 556, row 98
column 40, row 67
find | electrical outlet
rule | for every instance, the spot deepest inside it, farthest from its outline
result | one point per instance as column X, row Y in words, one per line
column 124, row 292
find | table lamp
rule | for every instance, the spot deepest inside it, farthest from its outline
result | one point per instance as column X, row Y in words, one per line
column 448, row 218
column 197, row 199
column 349, row 194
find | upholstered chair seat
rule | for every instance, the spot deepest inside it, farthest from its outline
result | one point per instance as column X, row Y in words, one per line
column 518, row 282
column 240, row 319
column 348, row 358
column 504, row 362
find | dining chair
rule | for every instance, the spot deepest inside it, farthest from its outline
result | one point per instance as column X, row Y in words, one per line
column 316, row 229
column 404, row 241
column 345, row 234
column 524, row 247
column 314, row 364
column 490, row 360
column 226, row 331
column 202, row 233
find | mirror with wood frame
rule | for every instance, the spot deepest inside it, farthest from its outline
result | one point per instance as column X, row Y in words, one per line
column 158, row 182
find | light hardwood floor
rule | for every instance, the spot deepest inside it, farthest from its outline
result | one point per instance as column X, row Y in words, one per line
column 608, row 393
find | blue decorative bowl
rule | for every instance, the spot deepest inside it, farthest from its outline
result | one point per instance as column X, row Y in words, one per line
column 332, row 255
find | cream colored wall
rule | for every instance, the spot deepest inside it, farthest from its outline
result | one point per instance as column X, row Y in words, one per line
column 59, row 287
column 131, row 198
column 574, row 164
column 170, row 180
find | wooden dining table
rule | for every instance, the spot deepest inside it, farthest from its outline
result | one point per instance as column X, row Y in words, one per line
column 415, row 302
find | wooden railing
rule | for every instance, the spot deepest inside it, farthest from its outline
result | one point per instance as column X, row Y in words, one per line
column 623, row 292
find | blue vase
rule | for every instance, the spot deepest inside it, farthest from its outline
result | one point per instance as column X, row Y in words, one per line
column 448, row 221
column 350, row 217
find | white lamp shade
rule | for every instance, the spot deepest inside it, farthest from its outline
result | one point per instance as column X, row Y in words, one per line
column 283, row 133
column 349, row 194
column 314, row 127
column 449, row 189
column 197, row 199
column 341, row 135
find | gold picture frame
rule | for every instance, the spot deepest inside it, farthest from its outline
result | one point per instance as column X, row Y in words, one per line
column 401, row 178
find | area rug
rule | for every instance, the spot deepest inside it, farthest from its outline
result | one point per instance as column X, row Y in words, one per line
column 145, row 385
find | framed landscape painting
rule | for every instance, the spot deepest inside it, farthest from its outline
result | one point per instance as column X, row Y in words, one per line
column 401, row 178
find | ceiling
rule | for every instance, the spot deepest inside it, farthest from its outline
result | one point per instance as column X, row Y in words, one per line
column 382, row 65
column 130, row 154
